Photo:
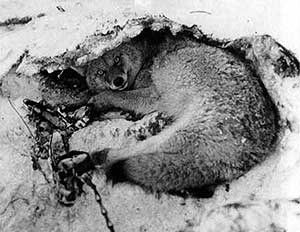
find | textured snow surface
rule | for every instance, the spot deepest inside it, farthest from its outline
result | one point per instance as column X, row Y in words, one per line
column 27, row 201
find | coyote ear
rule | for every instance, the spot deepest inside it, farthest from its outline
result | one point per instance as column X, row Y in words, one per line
column 80, row 69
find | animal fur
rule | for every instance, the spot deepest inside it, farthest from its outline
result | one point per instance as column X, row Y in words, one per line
column 223, row 120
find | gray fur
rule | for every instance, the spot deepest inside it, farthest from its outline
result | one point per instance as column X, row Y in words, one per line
column 224, row 120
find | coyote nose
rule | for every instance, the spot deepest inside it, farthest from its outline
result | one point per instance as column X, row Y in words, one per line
column 118, row 82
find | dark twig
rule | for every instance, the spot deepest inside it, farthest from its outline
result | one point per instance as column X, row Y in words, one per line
column 200, row 11
column 15, row 21
column 60, row 8
column 14, row 108
column 12, row 201
column 34, row 158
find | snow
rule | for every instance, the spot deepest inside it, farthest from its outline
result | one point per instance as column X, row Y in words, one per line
column 130, row 208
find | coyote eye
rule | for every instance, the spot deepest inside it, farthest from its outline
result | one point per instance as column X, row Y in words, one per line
column 117, row 59
column 100, row 72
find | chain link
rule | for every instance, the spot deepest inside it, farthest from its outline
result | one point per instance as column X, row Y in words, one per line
column 87, row 179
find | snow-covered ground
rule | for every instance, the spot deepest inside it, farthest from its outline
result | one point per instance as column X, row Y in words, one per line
column 130, row 208
column 225, row 18
column 234, row 18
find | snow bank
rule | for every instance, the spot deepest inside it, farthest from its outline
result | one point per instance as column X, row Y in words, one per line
column 70, row 33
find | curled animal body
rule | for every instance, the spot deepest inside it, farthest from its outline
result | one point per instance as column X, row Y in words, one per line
column 223, row 120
